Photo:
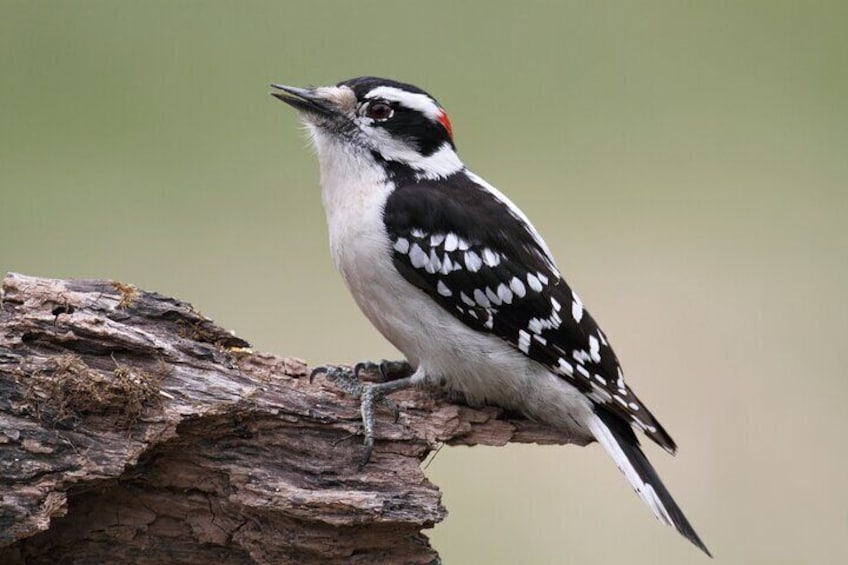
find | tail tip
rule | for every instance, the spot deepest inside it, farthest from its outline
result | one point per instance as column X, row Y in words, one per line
column 699, row 544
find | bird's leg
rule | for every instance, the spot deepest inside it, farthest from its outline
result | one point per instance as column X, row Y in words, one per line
column 377, row 392
column 369, row 394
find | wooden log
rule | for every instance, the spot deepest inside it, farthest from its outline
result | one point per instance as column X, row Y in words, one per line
column 135, row 430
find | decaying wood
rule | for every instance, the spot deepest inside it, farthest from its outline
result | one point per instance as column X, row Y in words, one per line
column 135, row 430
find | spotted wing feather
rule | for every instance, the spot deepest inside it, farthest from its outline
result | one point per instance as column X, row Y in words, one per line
column 493, row 273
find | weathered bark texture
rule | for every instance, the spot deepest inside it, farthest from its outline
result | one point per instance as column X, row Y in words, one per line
column 135, row 430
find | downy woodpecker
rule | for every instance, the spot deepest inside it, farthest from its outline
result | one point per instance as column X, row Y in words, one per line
column 456, row 277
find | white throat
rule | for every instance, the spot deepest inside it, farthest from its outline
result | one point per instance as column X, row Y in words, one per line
column 354, row 188
column 351, row 179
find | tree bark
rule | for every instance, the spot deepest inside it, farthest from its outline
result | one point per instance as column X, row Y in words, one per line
column 135, row 430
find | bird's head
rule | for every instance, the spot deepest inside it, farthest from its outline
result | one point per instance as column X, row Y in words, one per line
column 398, row 125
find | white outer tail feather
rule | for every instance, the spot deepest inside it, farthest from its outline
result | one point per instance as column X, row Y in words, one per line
column 645, row 491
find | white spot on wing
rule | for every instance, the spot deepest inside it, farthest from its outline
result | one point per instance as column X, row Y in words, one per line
column 517, row 287
column 491, row 258
column 436, row 239
column 534, row 282
column 556, row 321
column 594, row 349
column 401, row 245
column 442, row 289
column 643, row 426
column 481, row 298
column 580, row 356
column 434, row 264
column 451, row 242
column 472, row 261
column 524, row 341
column 576, row 307
column 493, row 297
column 447, row 265
column 535, row 325
column 419, row 233
column 464, row 297
column 417, row 256
column 565, row 367
column 504, row 293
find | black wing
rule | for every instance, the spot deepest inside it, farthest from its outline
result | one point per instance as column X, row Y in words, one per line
column 478, row 257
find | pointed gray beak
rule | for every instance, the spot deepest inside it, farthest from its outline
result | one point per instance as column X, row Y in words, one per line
column 303, row 100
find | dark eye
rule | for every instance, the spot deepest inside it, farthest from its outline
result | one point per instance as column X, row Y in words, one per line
column 379, row 111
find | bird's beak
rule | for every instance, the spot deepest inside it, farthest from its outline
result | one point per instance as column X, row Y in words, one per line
column 303, row 100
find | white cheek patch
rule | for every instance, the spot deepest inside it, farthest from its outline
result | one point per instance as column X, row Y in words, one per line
column 412, row 100
column 441, row 163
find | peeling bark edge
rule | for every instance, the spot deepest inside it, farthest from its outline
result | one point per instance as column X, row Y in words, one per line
column 134, row 429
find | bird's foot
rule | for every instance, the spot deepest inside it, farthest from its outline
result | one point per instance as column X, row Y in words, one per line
column 369, row 394
column 387, row 370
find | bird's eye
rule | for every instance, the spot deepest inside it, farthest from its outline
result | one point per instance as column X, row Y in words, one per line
column 379, row 111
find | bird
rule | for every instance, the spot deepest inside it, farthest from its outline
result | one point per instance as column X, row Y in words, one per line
column 454, row 275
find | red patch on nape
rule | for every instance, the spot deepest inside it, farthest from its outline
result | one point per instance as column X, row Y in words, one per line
column 443, row 119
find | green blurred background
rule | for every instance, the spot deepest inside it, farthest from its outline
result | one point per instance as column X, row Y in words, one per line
column 686, row 162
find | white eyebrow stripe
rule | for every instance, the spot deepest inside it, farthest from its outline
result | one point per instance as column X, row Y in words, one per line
column 412, row 100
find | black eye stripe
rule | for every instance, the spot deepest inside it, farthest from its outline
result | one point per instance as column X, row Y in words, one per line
column 409, row 124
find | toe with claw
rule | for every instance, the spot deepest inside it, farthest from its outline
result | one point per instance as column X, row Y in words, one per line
column 320, row 370
column 388, row 370
column 395, row 375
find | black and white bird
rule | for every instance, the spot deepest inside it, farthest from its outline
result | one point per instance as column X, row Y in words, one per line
column 456, row 277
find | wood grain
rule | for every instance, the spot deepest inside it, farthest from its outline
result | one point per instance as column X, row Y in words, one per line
column 135, row 430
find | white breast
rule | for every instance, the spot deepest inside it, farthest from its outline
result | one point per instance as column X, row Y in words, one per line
column 354, row 190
